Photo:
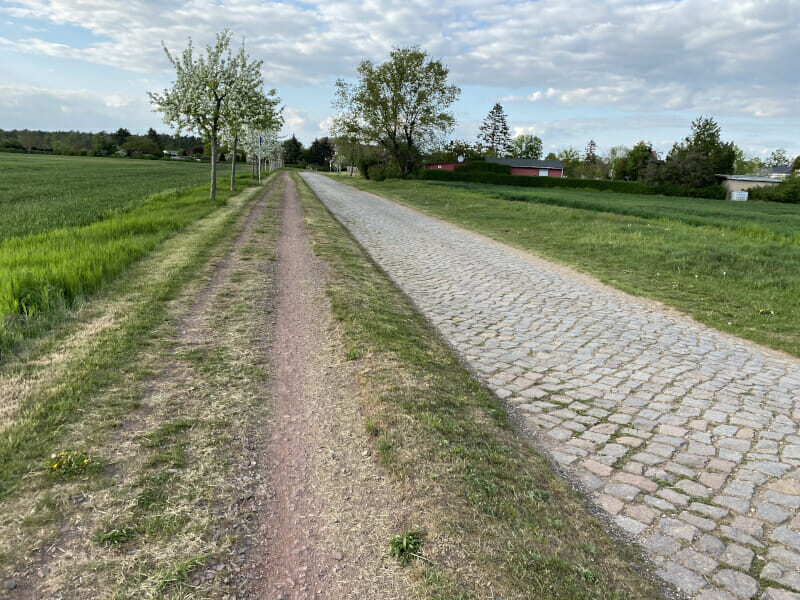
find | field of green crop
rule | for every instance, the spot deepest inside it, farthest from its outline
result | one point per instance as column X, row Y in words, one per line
column 40, row 193
column 71, row 224
column 734, row 266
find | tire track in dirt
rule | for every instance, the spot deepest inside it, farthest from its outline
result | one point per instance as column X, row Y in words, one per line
column 332, row 512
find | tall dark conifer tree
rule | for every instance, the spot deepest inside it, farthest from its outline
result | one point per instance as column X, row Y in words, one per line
column 494, row 132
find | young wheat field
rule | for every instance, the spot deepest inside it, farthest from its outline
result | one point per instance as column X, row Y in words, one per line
column 71, row 224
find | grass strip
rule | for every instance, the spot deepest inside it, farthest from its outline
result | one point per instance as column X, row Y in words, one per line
column 732, row 266
column 496, row 519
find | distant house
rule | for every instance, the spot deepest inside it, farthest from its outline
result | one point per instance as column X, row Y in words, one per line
column 441, row 166
column 531, row 168
column 742, row 183
column 781, row 172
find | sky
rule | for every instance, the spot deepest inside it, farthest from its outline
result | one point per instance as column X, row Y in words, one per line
column 615, row 71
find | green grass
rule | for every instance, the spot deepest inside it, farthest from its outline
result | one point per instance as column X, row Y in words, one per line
column 39, row 425
column 498, row 521
column 40, row 193
column 164, row 417
column 42, row 274
column 733, row 266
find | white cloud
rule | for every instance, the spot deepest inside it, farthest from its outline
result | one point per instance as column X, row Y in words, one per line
column 729, row 58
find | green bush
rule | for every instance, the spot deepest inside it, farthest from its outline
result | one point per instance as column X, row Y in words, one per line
column 383, row 171
column 788, row 191
column 479, row 175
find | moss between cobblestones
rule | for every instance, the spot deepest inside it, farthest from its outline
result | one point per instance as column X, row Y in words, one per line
column 497, row 520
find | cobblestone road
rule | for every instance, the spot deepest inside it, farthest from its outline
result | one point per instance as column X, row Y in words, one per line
column 686, row 437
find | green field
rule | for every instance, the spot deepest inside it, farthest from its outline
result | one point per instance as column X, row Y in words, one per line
column 40, row 193
column 734, row 266
column 71, row 224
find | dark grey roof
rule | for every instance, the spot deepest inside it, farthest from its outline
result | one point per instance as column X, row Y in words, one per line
column 782, row 170
column 525, row 162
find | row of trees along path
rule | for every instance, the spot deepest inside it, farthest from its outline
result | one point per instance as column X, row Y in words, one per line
column 221, row 96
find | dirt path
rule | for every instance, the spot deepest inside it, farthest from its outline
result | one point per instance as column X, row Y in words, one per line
column 331, row 514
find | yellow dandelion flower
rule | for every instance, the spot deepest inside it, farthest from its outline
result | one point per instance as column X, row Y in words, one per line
column 86, row 461
column 55, row 466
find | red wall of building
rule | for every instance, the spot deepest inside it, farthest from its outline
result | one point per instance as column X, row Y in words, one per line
column 534, row 172
column 442, row 166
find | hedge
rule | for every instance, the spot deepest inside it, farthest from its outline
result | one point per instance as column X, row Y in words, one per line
column 788, row 191
column 492, row 175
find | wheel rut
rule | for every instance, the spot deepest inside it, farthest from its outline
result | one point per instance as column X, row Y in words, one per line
column 331, row 511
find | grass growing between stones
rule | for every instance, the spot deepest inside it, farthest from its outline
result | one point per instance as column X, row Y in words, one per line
column 495, row 519
column 163, row 405
column 733, row 266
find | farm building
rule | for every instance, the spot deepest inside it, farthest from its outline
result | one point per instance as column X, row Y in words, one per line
column 531, row 168
column 740, row 183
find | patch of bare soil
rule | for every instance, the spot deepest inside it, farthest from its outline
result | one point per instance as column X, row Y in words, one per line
column 331, row 513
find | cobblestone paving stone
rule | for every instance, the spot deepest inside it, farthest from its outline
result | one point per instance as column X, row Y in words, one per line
column 685, row 436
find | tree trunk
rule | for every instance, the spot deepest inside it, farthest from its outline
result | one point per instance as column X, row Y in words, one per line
column 213, row 167
column 233, row 163
column 252, row 169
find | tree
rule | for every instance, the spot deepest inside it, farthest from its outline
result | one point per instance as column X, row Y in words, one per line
column 348, row 151
column 746, row 166
column 400, row 105
column 292, row 151
column 120, row 135
column 684, row 167
column 590, row 155
column 777, row 158
column 141, row 144
column 152, row 135
column 796, row 164
column 695, row 161
column 249, row 108
column 705, row 140
column 616, row 158
column 494, row 132
column 27, row 139
column 321, row 151
column 633, row 166
column 571, row 159
column 205, row 92
column 102, row 144
column 527, row 146
column 451, row 150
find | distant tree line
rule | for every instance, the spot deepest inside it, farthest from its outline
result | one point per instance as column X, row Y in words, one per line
column 79, row 143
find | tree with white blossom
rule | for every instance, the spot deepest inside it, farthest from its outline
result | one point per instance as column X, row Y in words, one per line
column 211, row 93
